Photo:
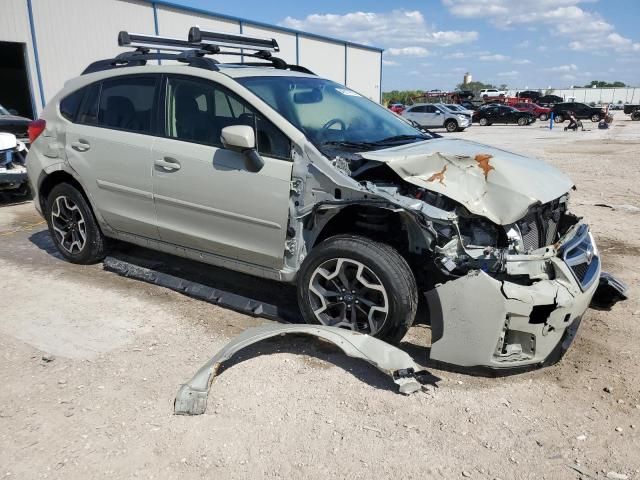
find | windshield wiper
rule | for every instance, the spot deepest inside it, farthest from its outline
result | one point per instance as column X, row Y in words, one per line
column 347, row 144
column 399, row 138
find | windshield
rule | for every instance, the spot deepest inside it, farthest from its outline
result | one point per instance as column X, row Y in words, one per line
column 4, row 111
column 455, row 108
column 331, row 114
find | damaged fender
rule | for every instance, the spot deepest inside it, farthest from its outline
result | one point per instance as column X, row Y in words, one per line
column 192, row 396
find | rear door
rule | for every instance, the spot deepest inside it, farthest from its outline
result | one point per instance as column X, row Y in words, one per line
column 205, row 198
column 417, row 114
column 109, row 145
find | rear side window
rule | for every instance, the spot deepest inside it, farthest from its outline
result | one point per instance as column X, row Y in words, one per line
column 69, row 104
column 126, row 104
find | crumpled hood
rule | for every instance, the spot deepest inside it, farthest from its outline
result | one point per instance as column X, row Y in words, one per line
column 488, row 181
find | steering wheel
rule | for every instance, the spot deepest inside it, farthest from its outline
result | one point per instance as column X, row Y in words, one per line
column 334, row 121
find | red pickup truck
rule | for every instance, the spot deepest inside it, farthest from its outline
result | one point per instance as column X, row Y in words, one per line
column 542, row 113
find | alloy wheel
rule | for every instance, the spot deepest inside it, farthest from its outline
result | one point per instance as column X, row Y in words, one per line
column 68, row 225
column 346, row 293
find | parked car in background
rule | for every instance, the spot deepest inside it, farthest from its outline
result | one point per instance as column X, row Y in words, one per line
column 532, row 94
column 11, row 122
column 582, row 111
column 13, row 174
column 468, row 105
column 541, row 113
column 549, row 100
column 630, row 108
column 433, row 116
column 492, row 92
column 396, row 107
column 459, row 108
column 503, row 114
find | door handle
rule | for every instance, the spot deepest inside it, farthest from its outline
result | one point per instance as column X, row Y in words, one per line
column 168, row 164
column 81, row 145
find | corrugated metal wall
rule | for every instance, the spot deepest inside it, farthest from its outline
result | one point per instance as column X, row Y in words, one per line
column 70, row 34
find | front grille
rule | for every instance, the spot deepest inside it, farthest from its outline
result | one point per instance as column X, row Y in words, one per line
column 581, row 257
column 539, row 227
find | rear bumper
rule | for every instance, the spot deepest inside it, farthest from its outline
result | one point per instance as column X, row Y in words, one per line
column 483, row 324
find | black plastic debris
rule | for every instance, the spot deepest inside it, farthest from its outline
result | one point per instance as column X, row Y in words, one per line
column 609, row 292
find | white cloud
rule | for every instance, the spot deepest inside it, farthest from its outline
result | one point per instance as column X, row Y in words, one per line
column 563, row 68
column 522, row 61
column 512, row 73
column 584, row 29
column 455, row 55
column 496, row 57
column 568, row 76
column 397, row 29
column 407, row 51
column 389, row 63
column 523, row 44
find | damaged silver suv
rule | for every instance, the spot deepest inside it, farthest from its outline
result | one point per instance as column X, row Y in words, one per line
column 264, row 168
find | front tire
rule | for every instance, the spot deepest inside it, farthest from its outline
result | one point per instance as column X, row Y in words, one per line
column 354, row 282
column 543, row 117
column 483, row 122
column 73, row 227
column 451, row 126
column 559, row 119
column 522, row 121
column 595, row 118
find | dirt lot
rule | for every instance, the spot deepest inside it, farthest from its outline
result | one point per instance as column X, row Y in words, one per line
column 295, row 408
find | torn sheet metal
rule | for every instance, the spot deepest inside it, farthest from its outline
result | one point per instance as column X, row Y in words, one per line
column 192, row 396
column 499, row 185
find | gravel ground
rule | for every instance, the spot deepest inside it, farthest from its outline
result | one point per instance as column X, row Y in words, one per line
column 91, row 363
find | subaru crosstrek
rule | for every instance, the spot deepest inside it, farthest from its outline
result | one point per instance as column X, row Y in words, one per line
column 271, row 171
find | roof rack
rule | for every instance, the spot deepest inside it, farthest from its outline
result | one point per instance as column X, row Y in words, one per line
column 232, row 40
column 193, row 51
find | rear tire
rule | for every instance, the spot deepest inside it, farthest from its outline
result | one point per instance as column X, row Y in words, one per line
column 451, row 126
column 635, row 115
column 595, row 118
column 483, row 122
column 350, row 279
column 559, row 119
column 73, row 227
column 543, row 117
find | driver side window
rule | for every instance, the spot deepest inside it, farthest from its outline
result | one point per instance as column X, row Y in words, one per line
column 197, row 111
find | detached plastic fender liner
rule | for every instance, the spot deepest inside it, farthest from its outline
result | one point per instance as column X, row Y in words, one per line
column 192, row 396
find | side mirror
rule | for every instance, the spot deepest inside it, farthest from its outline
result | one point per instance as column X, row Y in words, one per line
column 242, row 138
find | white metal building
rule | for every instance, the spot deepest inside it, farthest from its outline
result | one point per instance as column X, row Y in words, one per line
column 45, row 42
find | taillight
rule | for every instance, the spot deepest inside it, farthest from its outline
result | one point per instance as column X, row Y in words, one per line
column 35, row 129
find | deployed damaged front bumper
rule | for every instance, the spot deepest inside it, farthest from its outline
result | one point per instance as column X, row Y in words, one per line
column 480, row 322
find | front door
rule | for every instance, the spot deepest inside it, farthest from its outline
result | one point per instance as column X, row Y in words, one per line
column 109, row 145
column 205, row 198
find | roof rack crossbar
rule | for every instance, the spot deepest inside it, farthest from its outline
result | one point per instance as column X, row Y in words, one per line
column 232, row 40
column 139, row 58
column 148, row 42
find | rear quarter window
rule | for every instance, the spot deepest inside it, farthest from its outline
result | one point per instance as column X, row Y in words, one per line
column 69, row 104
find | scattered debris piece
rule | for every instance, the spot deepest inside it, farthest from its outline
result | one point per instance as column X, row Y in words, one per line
column 192, row 396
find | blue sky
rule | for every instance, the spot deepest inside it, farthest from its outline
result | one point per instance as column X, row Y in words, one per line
column 430, row 44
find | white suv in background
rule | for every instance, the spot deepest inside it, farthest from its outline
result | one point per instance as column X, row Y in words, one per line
column 430, row 115
column 492, row 92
